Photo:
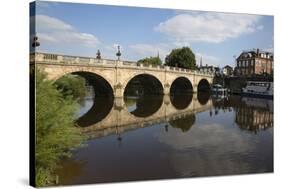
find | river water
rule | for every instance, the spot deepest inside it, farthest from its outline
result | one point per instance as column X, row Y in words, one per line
column 160, row 137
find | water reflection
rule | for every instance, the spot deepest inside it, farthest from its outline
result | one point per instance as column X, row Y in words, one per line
column 184, row 123
column 203, row 97
column 200, row 138
column 181, row 101
column 255, row 114
column 101, row 107
column 143, row 106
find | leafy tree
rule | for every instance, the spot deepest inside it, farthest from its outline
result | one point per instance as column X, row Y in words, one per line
column 56, row 133
column 151, row 61
column 72, row 85
column 182, row 58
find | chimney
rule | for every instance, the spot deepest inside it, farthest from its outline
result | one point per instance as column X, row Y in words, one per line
column 258, row 51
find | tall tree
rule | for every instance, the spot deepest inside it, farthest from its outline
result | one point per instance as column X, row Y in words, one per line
column 150, row 61
column 182, row 58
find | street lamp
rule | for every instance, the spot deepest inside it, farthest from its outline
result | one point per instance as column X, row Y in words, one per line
column 98, row 54
column 118, row 54
column 35, row 42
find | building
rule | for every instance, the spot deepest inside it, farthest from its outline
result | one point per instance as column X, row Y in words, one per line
column 227, row 70
column 207, row 68
column 254, row 62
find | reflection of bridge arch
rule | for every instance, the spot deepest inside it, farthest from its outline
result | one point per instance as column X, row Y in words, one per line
column 146, row 105
column 123, row 120
column 203, row 98
column 148, row 83
column 100, row 109
column 181, row 101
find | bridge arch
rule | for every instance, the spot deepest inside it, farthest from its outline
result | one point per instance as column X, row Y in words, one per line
column 181, row 85
column 203, row 85
column 142, row 84
column 101, row 85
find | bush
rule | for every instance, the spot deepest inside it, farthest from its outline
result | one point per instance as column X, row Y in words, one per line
column 56, row 133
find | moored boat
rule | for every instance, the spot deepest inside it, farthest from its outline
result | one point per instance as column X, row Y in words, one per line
column 259, row 89
column 219, row 91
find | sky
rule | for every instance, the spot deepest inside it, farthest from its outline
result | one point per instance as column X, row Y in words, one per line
column 82, row 29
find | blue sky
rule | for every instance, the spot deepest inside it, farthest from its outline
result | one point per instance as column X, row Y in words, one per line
column 82, row 29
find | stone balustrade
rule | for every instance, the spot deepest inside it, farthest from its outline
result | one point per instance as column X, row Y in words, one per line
column 67, row 59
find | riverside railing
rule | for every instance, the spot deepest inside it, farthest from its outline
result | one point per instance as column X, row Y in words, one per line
column 49, row 58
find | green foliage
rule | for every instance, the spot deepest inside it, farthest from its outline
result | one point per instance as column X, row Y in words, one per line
column 151, row 61
column 56, row 133
column 72, row 85
column 182, row 58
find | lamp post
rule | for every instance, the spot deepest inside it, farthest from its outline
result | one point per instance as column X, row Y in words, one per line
column 118, row 54
column 98, row 55
column 35, row 42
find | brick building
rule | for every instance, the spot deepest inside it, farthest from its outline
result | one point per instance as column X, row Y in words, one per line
column 254, row 62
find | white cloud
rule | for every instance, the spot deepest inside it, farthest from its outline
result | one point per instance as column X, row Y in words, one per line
column 51, row 30
column 208, row 27
column 207, row 59
column 146, row 50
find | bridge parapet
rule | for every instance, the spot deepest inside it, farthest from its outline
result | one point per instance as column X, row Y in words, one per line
column 49, row 58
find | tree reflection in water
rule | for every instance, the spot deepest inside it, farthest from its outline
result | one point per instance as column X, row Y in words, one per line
column 184, row 123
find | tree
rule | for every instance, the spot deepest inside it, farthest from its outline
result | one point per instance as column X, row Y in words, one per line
column 56, row 133
column 150, row 61
column 182, row 58
column 72, row 85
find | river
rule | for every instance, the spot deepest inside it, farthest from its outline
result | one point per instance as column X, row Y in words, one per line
column 160, row 137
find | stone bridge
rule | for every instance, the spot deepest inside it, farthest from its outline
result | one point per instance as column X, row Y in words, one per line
column 112, row 76
column 120, row 120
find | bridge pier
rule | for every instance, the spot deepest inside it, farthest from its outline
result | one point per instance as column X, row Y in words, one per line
column 195, row 88
column 166, row 89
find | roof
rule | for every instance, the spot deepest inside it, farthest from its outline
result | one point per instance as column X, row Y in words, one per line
column 253, row 52
column 228, row 67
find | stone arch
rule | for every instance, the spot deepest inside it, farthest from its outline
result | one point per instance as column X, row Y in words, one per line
column 101, row 84
column 181, row 85
column 203, row 85
column 148, row 77
column 102, row 89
